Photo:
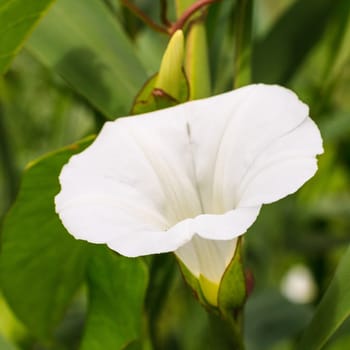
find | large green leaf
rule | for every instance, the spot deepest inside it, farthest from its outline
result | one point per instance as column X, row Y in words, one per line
column 271, row 319
column 5, row 345
column 84, row 43
column 41, row 265
column 332, row 311
column 117, row 288
column 17, row 19
column 280, row 53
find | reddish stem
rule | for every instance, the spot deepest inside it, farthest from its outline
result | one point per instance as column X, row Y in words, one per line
column 134, row 9
column 170, row 28
column 163, row 13
column 180, row 23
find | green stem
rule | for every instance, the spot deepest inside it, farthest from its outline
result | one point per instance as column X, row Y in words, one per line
column 228, row 332
column 237, row 334
column 243, row 33
column 196, row 62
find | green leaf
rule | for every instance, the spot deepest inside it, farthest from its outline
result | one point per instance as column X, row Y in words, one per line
column 5, row 345
column 41, row 265
column 332, row 311
column 221, row 54
column 84, row 43
column 269, row 318
column 337, row 56
column 278, row 55
column 117, row 287
column 150, row 47
column 162, row 268
column 243, row 19
column 339, row 50
column 17, row 18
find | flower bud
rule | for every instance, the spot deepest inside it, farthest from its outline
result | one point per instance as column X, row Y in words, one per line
column 226, row 295
column 170, row 73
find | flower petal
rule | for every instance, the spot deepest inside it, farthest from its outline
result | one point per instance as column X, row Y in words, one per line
column 207, row 257
column 245, row 137
column 225, row 226
column 283, row 167
column 149, row 183
column 133, row 183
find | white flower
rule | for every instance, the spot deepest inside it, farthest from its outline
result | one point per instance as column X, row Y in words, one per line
column 298, row 285
column 190, row 178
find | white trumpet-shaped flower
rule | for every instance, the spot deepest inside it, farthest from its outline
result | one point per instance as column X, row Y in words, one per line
column 191, row 178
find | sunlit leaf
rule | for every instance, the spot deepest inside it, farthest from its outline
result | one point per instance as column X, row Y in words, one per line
column 17, row 19
column 332, row 311
column 84, row 43
column 117, row 288
column 41, row 265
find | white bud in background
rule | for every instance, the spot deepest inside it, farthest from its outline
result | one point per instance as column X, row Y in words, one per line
column 298, row 285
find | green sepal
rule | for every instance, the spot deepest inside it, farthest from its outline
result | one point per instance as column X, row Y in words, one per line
column 144, row 101
column 232, row 291
column 150, row 99
column 194, row 283
column 171, row 68
column 224, row 301
column 169, row 86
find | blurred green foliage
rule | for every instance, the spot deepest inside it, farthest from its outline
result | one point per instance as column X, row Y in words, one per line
column 84, row 64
